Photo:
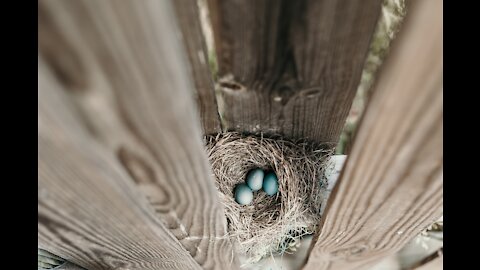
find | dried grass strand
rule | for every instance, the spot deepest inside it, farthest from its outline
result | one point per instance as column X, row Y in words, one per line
column 270, row 224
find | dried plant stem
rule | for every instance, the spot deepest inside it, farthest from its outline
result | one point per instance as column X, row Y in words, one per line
column 270, row 224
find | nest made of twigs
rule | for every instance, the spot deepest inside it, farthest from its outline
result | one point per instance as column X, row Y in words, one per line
column 270, row 224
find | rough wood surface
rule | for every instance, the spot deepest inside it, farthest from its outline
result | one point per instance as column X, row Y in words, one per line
column 290, row 67
column 89, row 211
column 189, row 21
column 126, row 75
column 70, row 266
column 391, row 187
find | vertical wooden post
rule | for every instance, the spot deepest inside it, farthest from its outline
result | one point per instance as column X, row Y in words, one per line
column 290, row 67
column 126, row 75
column 189, row 22
column 391, row 186
column 89, row 212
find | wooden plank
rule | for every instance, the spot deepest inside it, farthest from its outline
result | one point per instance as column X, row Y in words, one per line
column 127, row 77
column 391, row 187
column 290, row 67
column 69, row 266
column 189, row 21
column 89, row 212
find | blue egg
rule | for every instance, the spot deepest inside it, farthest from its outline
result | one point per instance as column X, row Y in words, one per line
column 270, row 183
column 243, row 194
column 255, row 179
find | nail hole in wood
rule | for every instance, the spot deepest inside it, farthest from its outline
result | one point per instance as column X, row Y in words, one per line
column 231, row 85
column 310, row 93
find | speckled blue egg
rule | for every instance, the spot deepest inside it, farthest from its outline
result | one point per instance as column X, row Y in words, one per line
column 270, row 183
column 255, row 179
column 243, row 194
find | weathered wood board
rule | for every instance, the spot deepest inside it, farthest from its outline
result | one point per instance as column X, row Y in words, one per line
column 70, row 266
column 391, row 187
column 89, row 211
column 290, row 68
column 188, row 17
column 126, row 74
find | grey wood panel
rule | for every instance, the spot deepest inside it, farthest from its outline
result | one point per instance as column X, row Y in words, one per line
column 126, row 74
column 189, row 22
column 89, row 211
column 391, row 187
column 290, row 67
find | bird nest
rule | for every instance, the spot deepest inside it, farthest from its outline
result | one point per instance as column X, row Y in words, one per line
column 269, row 224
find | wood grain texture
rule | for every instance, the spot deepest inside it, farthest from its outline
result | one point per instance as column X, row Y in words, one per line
column 391, row 187
column 89, row 211
column 189, row 22
column 128, row 80
column 290, row 67
column 69, row 266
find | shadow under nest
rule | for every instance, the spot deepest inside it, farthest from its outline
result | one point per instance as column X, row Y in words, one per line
column 269, row 224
